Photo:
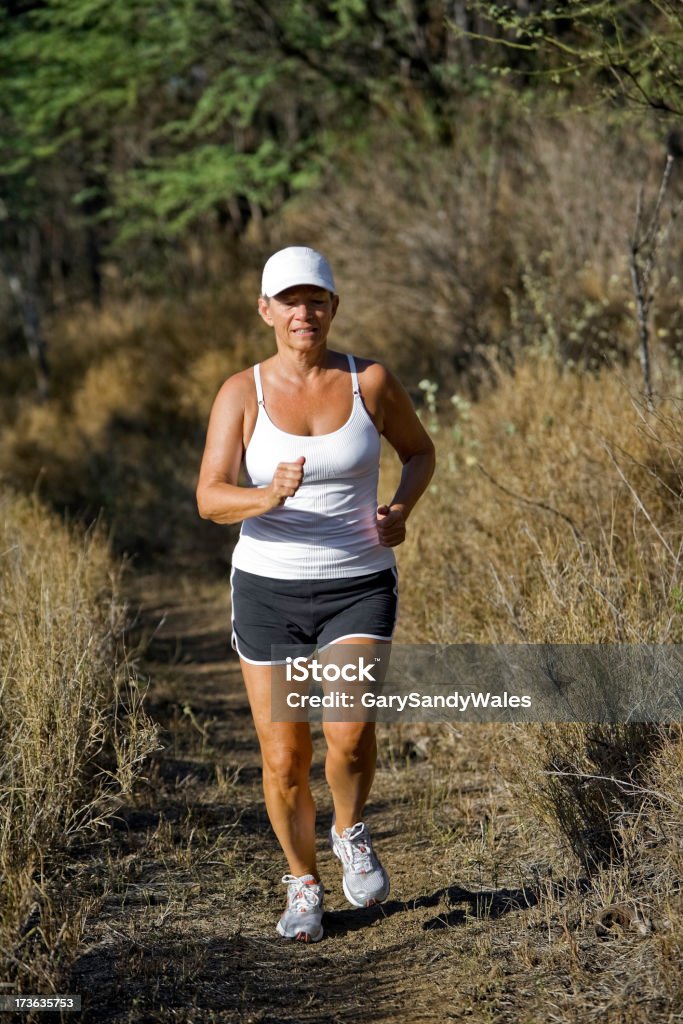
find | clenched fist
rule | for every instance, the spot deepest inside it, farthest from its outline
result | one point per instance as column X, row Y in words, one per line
column 391, row 526
column 286, row 481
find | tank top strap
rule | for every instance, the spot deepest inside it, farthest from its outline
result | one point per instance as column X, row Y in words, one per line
column 354, row 375
column 257, row 382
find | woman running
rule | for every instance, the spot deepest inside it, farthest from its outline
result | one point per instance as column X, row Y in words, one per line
column 314, row 563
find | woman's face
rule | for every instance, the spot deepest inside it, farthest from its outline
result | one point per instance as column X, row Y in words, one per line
column 301, row 316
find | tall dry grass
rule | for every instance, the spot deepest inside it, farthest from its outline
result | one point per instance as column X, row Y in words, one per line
column 555, row 517
column 557, row 505
column 73, row 733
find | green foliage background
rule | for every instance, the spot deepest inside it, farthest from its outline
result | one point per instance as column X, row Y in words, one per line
column 136, row 120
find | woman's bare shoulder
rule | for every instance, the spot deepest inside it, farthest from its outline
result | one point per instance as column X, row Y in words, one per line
column 376, row 378
column 371, row 371
column 238, row 388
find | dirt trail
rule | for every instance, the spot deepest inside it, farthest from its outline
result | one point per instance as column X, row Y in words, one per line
column 186, row 928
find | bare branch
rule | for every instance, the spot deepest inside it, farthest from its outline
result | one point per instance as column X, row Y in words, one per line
column 535, row 504
column 643, row 249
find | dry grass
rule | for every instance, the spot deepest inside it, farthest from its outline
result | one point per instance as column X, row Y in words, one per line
column 557, row 504
column 73, row 731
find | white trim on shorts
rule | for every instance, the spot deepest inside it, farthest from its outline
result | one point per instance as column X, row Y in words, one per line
column 347, row 636
column 249, row 661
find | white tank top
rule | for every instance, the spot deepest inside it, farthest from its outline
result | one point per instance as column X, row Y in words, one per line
column 327, row 530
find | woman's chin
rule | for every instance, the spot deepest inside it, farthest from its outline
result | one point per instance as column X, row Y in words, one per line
column 305, row 342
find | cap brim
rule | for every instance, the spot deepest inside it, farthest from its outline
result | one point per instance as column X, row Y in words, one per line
column 316, row 282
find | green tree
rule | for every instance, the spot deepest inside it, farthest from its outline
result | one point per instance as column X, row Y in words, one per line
column 130, row 122
column 157, row 113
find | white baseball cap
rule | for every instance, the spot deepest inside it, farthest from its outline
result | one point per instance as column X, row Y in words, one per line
column 296, row 265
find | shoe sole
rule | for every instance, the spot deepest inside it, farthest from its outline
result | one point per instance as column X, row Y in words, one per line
column 300, row 936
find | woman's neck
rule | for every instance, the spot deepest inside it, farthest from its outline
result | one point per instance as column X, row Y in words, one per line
column 293, row 364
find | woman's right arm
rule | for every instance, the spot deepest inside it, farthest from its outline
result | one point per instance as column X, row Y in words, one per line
column 219, row 497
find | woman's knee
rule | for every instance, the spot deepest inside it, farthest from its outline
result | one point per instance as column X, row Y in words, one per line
column 288, row 766
column 351, row 741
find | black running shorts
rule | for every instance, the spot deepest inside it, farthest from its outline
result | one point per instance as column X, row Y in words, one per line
column 309, row 613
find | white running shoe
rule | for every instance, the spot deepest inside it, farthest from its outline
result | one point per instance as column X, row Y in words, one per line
column 365, row 880
column 302, row 920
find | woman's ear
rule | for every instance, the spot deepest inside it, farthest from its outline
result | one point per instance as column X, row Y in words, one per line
column 335, row 305
column 264, row 310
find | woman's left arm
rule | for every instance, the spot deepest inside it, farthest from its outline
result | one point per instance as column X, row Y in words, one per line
column 415, row 448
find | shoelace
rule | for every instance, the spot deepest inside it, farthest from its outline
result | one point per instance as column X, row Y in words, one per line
column 356, row 849
column 301, row 896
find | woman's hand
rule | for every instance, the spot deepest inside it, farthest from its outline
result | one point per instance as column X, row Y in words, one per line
column 286, row 481
column 391, row 526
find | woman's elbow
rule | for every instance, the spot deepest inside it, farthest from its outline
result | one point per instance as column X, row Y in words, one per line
column 207, row 510
column 427, row 454
column 427, row 460
column 203, row 504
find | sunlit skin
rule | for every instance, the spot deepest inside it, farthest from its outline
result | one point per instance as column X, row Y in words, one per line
column 307, row 391
column 301, row 318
